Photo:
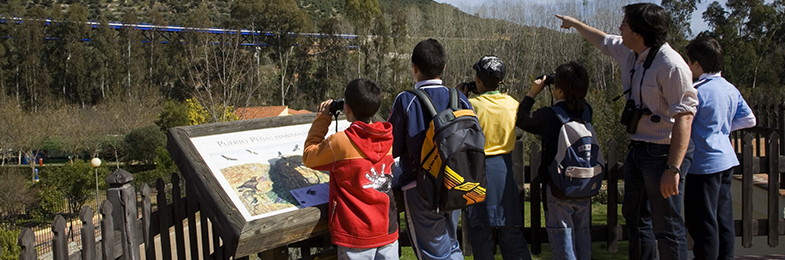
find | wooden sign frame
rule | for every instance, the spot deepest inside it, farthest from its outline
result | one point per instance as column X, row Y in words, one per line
column 242, row 235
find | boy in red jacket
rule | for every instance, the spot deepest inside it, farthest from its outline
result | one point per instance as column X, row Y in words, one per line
column 362, row 210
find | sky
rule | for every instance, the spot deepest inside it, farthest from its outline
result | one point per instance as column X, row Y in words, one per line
column 697, row 23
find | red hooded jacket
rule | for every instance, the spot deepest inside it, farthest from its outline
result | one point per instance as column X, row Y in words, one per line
column 362, row 209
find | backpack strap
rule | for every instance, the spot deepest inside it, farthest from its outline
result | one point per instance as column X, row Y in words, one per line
column 564, row 117
column 454, row 99
column 425, row 100
column 586, row 116
column 561, row 114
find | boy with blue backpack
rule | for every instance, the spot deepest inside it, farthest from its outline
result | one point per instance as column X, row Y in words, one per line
column 572, row 166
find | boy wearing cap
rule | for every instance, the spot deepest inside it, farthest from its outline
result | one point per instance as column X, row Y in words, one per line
column 501, row 210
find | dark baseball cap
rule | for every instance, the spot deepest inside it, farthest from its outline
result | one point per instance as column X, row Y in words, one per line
column 490, row 69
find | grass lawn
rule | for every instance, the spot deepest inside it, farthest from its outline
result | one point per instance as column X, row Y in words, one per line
column 599, row 249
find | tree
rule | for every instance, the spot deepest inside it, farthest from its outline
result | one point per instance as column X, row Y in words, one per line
column 173, row 114
column 31, row 131
column 362, row 13
column 681, row 13
column 12, row 8
column 141, row 143
column 106, row 69
column 219, row 68
column 74, row 181
column 283, row 19
column 132, row 55
column 747, row 32
column 15, row 193
column 76, row 85
column 35, row 76
column 83, row 129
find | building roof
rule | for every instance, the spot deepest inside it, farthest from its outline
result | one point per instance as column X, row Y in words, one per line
column 298, row 112
column 268, row 111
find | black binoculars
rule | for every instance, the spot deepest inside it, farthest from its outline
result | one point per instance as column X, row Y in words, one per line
column 631, row 115
column 335, row 106
column 548, row 78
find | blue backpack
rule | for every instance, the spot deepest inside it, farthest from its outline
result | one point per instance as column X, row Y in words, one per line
column 578, row 168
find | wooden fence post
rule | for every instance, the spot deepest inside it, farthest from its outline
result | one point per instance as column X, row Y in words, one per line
column 27, row 243
column 193, row 207
column 177, row 210
column 781, row 127
column 107, row 230
column 613, row 196
column 746, row 191
column 164, row 218
column 88, row 233
column 59, row 240
column 123, row 197
column 773, row 153
column 535, row 198
column 149, row 239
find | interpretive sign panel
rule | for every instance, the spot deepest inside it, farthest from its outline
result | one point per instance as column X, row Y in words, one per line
column 243, row 173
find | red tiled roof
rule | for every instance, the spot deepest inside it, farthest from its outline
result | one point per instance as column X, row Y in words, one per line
column 269, row 111
column 298, row 112
column 259, row 112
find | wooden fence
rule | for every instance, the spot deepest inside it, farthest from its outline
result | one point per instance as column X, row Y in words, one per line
column 131, row 234
column 770, row 119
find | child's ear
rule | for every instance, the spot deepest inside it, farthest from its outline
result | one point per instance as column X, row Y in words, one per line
column 346, row 109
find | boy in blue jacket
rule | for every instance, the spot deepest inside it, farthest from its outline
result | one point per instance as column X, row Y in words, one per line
column 433, row 234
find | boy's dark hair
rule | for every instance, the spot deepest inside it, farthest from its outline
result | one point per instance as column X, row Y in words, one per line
column 650, row 21
column 707, row 52
column 429, row 57
column 364, row 97
column 573, row 80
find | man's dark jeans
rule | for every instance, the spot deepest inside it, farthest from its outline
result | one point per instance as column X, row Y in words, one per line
column 648, row 214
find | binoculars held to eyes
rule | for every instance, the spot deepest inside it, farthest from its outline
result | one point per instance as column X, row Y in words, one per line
column 336, row 105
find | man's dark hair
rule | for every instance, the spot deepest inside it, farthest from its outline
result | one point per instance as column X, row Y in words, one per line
column 650, row 21
column 573, row 80
column 429, row 57
column 364, row 97
column 707, row 52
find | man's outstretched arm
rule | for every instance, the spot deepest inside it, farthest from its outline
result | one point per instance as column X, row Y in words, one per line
column 593, row 35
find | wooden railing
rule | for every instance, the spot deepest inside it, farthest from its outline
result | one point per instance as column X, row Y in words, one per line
column 123, row 228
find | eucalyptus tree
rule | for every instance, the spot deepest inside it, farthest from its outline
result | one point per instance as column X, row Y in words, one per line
column 12, row 8
column 34, row 75
column 132, row 55
column 748, row 30
column 283, row 20
column 75, row 82
column 218, row 68
column 106, row 65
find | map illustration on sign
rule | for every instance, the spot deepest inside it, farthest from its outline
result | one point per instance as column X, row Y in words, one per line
column 259, row 168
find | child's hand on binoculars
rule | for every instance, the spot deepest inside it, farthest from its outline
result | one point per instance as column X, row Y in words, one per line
column 537, row 86
column 324, row 107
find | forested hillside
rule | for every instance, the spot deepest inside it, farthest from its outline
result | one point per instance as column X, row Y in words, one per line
column 81, row 88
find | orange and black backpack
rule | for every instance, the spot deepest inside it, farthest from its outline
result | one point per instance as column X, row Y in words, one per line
column 452, row 168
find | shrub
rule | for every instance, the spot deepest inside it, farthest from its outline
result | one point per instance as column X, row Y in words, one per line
column 141, row 144
column 8, row 239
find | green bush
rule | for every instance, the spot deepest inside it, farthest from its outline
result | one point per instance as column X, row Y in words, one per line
column 141, row 144
column 72, row 182
column 173, row 114
column 164, row 167
column 8, row 239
